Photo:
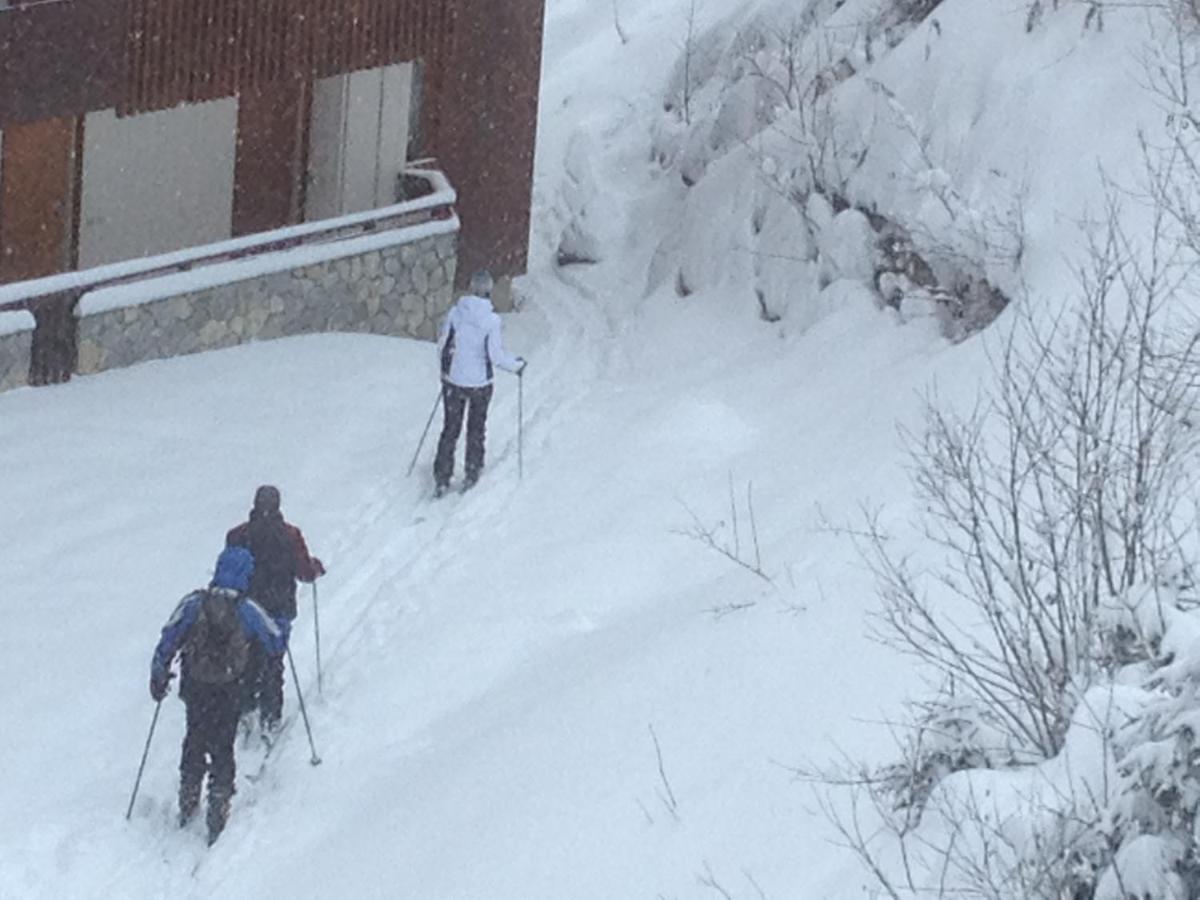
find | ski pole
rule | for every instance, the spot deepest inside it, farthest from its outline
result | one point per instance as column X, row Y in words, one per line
column 145, row 752
column 316, row 760
column 520, row 423
column 317, row 630
column 421, row 443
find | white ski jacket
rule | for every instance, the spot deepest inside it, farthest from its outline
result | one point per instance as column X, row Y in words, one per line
column 469, row 344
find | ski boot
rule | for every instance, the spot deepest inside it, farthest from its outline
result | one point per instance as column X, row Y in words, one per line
column 218, row 815
column 268, row 730
column 189, row 801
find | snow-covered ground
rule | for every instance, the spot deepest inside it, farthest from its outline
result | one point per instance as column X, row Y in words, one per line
column 541, row 689
column 494, row 663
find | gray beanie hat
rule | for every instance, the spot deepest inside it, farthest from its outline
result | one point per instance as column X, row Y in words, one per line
column 481, row 284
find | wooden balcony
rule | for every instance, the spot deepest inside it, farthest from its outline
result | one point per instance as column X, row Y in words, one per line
column 68, row 57
column 191, row 50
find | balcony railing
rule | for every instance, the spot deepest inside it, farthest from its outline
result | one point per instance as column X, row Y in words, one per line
column 53, row 300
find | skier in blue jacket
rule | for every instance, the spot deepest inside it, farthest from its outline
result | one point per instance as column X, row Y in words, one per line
column 212, row 630
column 470, row 347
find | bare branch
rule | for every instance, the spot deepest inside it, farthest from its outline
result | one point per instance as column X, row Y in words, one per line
column 708, row 535
column 668, row 798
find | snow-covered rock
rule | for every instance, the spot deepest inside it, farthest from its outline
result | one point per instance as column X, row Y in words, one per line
column 848, row 248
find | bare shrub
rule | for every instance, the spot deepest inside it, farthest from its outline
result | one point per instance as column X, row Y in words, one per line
column 1058, row 506
column 1054, row 496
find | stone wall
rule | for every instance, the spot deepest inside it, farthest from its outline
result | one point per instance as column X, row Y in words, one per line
column 402, row 289
column 16, row 344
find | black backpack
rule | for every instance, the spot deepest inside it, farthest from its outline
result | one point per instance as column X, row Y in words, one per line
column 217, row 649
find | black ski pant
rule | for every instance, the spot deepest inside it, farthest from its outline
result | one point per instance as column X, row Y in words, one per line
column 262, row 686
column 212, row 719
column 455, row 401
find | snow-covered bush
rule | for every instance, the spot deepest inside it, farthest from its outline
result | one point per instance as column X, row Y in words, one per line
column 580, row 242
column 848, row 248
column 894, row 22
column 948, row 734
column 1112, row 815
column 785, row 262
column 1062, row 606
column 1055, row 497
column 1062, row 618
column 760, row 92
column 1093, row 11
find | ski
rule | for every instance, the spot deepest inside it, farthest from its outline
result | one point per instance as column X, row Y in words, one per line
column 435, row 494
column 439, row 493
column 270, row 744
column 200, row 857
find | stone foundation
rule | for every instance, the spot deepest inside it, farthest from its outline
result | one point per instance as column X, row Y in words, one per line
column 16, row 345
column 402, row 290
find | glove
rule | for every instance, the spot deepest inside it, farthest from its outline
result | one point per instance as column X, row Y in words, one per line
column 159, row 685
column 318, row 567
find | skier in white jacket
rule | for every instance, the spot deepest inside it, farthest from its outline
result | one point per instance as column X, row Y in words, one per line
column 470, row 347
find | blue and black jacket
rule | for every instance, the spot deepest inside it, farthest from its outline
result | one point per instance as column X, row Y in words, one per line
column 270, row 634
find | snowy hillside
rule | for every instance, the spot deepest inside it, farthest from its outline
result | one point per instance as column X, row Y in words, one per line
column 554, row 687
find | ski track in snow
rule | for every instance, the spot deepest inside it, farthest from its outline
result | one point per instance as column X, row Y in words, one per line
column 430, row 532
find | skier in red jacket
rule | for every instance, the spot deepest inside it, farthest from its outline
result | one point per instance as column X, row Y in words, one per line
column 280, row 559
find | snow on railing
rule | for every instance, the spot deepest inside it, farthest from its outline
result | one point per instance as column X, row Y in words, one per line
column 16, row 320
column 243, row 268
column 438, row 204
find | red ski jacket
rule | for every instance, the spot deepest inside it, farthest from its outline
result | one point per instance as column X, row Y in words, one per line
column 280, row 558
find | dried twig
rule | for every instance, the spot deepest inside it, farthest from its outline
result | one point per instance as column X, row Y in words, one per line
column 709, row 535
column 621, row 33
column 667, row 795
column 720, row 612
column 708, row 880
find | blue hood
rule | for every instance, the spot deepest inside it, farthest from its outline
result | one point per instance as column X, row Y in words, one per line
column 235, row 565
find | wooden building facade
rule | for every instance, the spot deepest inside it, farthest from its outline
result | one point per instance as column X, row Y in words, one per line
column 136, row 126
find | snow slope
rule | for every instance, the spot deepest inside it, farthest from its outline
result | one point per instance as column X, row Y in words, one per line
column 493, row 662
column 537, row 690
